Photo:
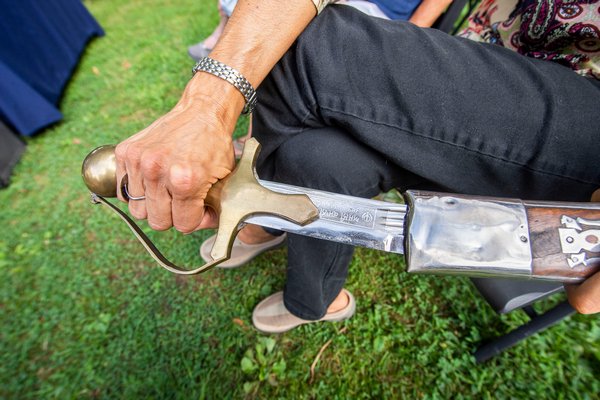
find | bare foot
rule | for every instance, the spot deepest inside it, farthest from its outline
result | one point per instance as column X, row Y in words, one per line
column 340, row 302
column 254, row 234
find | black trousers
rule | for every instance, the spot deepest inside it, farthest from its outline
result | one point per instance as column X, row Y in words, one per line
column 360, row 105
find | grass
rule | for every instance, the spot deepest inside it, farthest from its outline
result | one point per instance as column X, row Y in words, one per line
column 86, row 313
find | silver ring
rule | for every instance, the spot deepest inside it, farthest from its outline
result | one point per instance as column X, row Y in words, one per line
column 130, row 197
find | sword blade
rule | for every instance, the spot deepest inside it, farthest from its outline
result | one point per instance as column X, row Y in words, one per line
column 345, row 219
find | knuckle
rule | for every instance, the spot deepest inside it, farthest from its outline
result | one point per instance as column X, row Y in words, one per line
column 120, row 151
column 152, row 165
column 182, row 179
column 133, row 152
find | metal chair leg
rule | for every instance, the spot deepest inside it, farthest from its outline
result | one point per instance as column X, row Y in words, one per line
column 530, row 312
column 537, row 324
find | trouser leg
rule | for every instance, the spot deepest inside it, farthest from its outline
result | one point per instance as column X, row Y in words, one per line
column 471, row 117
column 462, row 116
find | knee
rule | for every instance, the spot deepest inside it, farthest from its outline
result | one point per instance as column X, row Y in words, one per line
column 298, row 165
column 326, row 159
column 320, row 40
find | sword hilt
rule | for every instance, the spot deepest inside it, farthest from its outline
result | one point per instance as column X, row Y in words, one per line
column 234, row 198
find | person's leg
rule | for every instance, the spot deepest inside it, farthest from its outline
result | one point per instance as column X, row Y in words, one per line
column 332, row 160
column 468, row 117
column 203, row 48
column 473, row 118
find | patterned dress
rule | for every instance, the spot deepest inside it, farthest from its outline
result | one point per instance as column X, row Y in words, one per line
column 562, row 31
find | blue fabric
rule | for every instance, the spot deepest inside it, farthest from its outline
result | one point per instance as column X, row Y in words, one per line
column 396, row 9
column 40, row 46
column 24, row 108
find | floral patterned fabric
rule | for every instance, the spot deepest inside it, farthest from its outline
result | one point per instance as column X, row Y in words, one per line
column 562, row 31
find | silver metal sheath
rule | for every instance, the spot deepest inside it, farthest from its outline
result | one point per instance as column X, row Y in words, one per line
column 345, row 219
column 473, row 236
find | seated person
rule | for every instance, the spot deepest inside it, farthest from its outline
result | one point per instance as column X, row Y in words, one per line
column 422, row 13
column 359, row 105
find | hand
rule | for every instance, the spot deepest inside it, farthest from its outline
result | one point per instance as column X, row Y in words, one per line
column 585, row 297
column 175, row 161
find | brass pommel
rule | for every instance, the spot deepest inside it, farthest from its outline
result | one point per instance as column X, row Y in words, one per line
column 99, row 171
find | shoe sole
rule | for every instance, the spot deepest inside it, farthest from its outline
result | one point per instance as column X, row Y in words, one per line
column 253, row 251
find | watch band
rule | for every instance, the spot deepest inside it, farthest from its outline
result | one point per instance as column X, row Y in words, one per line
column 232, row 76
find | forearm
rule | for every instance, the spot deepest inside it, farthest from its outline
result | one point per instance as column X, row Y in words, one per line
column 257, row 35
column 175, row 160
column 428, row 12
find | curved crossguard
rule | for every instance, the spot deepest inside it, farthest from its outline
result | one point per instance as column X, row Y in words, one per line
column 235, row 198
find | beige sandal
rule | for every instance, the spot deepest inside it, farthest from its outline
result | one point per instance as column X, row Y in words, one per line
column 241, row 253
column 271, row 316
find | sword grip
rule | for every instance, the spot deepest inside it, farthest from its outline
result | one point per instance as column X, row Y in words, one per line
column 565, row 241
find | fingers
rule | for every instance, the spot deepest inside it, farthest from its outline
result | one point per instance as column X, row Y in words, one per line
column 187, row 202
column 585, row 298
column 158, row 206
column 172, row 194
column 128, row 152
column 148, row 179
column 135, row 184
column 169, row 164
column 210, row 219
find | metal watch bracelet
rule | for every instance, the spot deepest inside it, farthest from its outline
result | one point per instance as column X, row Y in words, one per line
column 232, row 76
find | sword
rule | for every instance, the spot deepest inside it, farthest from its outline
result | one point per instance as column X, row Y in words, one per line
column 438, row 233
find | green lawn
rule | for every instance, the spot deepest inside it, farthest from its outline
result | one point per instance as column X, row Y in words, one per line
column 86, row 313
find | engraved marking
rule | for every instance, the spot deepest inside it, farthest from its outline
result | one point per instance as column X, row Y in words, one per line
column 328, row 214
column 368, row 217
column 351, row 215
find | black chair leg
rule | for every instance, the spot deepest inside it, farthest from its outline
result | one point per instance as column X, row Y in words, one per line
column 530, row 311
column 537, row 324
